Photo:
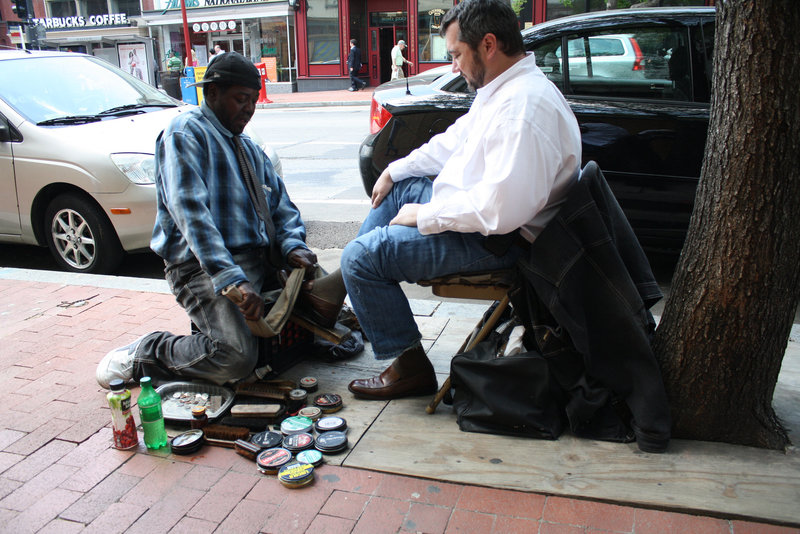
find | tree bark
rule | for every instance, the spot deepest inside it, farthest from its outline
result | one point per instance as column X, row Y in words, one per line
column 727, row 321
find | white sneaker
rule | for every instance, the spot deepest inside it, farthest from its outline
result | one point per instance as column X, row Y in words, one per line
column 117, row 364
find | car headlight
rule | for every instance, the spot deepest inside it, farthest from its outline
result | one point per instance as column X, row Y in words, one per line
column 138, row 168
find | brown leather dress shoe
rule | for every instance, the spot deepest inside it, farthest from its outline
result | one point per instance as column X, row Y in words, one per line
column 389, row 385
column 317, row 310
column 409, row 375
column 312, row 307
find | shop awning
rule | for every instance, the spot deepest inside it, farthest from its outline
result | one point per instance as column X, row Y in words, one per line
column 259, row 11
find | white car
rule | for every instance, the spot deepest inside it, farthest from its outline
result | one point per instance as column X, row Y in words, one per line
column 605, row 56
column 77, row 138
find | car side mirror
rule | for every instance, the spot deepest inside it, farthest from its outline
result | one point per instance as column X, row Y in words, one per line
column 7, row 133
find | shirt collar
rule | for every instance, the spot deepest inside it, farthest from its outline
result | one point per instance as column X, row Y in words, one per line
column 490, row 88
column 212, row 117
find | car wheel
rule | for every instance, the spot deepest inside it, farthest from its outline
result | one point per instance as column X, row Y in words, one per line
column 80, row 237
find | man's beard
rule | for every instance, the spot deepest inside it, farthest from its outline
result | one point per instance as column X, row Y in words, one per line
column 479, row 72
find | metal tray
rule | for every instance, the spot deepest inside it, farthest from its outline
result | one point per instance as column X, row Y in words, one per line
column 178, row 399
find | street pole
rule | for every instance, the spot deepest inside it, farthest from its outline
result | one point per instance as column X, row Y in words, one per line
column 186, row 39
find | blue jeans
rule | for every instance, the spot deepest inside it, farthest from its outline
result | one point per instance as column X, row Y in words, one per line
column 222, row 349
column 382, row 256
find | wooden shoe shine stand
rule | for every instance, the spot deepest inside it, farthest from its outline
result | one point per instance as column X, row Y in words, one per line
column 491, row 285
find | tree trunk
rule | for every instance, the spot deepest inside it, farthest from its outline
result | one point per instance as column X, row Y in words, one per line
column 727, row 321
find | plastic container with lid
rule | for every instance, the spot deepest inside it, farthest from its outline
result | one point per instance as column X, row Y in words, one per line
column 199, row 417
column 149, row 401
column 123, row 425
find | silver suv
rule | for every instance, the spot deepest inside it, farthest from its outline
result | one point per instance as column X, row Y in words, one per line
column 77, row 137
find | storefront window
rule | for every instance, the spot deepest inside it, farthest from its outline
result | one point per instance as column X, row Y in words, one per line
column 323, row 31
column 61, row 9
column 275, row 51
column 562, row 8
column 431, row 44
column 94, row 7
column 129, row 7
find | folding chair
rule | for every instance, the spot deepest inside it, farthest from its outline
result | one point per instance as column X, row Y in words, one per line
column 487, row 285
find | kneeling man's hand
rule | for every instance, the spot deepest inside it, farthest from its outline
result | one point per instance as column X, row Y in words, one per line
column 302, row 257
column 252, row 305
column 407, row 216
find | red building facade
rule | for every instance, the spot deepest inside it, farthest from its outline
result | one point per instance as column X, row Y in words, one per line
column 303, row 43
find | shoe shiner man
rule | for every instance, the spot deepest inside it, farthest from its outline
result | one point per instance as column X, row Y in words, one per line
column 505, row 165
column 209, row 179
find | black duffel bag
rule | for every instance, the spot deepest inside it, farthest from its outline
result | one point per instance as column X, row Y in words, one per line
column 511, row 395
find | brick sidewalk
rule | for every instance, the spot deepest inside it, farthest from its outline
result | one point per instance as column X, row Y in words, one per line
column 59, row 473
column 340, row 97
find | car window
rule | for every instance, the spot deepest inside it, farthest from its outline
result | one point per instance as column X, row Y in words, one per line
column 548, row 59
column 52, row 87
column 647, row 62
column 702, row 55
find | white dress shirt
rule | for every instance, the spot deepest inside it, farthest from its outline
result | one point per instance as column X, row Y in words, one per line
column 507, row 164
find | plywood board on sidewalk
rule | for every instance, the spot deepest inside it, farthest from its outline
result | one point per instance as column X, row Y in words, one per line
column 692, row 476
column 334, row 378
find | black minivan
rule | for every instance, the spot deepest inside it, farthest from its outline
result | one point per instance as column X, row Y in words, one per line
column 639, row 83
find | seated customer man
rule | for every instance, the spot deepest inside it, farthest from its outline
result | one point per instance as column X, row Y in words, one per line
column 224, row 218
column 505, row 165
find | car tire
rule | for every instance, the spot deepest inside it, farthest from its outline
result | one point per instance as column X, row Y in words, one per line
column 80, row 236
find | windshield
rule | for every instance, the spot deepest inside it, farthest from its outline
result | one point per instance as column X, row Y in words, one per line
column 46, row 88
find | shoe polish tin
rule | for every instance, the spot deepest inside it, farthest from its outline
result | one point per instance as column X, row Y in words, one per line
column 310, row 456
column 312, row 412
column 296, row 425
column 328, row 402
column 329, row 423
column 297, row 398
column 296, row 475
column 309, row 383
column 298, row 442
column 187, row 442
column 267, row 439
column 331, row 442
column 271, row 460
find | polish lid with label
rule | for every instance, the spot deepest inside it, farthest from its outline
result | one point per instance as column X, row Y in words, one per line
column 330, row 422
column 296, row 474
column 187, row 442
column 310, row 456
column 331, row 442
column 270, row 460
column 298, row 442
column 267, row 439
column 296, row 425
column 328, row 402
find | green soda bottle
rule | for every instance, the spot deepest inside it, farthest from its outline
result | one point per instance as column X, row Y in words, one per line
column 155, row 435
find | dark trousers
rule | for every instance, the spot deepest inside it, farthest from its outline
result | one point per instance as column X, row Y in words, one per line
column 355, row 81
column 221, row 348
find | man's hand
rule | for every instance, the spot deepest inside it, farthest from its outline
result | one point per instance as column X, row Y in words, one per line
column 381, row 188
column 252, row 305
column 302, row 257
column 407, row 216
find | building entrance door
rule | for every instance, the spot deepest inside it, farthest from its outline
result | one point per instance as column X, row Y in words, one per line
column 386, row 28
column 228, row 43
